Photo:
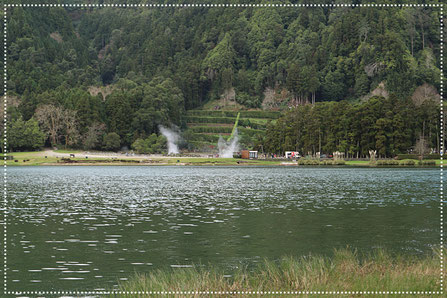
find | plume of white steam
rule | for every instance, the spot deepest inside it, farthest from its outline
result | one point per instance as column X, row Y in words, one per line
column 226, row 149
column 172, row 136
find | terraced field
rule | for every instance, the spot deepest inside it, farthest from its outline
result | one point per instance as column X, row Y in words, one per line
column 205, row 126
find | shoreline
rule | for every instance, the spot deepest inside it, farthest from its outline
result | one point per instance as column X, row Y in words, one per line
column 82, row 158
column 217, row 163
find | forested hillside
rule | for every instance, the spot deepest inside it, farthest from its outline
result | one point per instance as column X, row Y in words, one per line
column 101, row 78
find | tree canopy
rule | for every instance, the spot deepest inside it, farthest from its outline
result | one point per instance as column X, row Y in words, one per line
column 128, row 70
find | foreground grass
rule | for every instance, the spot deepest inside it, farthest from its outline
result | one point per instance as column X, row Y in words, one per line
column 345, row 271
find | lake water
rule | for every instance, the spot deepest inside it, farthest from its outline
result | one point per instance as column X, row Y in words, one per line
column 87, row 228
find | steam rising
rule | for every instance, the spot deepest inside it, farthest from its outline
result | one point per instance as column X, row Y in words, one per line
column 172, row 137
column 226, row 149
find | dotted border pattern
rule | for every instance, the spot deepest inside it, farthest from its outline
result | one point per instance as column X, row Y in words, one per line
column 441, row 121
column 226, row 292
column 225, row 5
column 5, row 217
column 440, row 5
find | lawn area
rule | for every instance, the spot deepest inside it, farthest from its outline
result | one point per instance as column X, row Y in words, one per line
column 35, row 158
column 29, row 158
column 67, row 151
column 38, row 158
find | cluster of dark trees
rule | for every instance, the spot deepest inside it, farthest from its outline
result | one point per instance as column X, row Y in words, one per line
column 75, row 118
column 154, row 63
column 391, row 126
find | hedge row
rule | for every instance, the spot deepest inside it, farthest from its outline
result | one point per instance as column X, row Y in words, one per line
column 250, row 132
column 408, row 162
column 197, row 119
column 205, row 138
column 211, row 129
column 244, row 114
column 252, row 124
column 316, row 162
column 389, row 162
column 224, row 120
column 427, row 163
column 203, row 143
column 416, row 156
column 224, row 129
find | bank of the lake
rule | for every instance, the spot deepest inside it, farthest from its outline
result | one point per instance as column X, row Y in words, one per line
column 347, row 270
column 82, row 158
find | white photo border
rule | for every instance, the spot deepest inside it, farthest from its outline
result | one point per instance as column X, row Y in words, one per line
column 93, row 5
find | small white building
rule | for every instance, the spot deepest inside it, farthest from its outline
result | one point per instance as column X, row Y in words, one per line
column 253, row 154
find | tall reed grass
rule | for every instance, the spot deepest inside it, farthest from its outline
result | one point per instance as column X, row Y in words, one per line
column 346, row 270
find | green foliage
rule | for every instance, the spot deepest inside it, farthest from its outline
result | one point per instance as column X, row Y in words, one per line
column 211, row 129
column 219, row 64
column 338, row 162
column 150, row 145
column 210, row 138
column 93, row 137
column 25, row 135
column 387, row 162
column 161, row 102
column 308, row 162
column 153, row 64
column 417, row 157
column 227, row 130
column 111, row 141
column 253, row 123
column 390, row 126
column 244, row 114
column 247, row 100
column 118, row 109
column 330, row 53
column 427, row 162
column 198, row 119
column 407, row 156
column 408, row 162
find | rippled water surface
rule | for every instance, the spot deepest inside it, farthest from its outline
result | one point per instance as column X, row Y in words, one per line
column 88, row 228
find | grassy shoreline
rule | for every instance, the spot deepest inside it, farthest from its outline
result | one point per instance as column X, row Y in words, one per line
column 347, row 270
column 41, row 158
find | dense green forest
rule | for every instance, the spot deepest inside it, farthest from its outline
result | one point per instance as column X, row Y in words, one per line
column 389, row 126
column 346, row 78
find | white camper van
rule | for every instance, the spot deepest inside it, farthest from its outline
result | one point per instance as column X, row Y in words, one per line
column 292, row 154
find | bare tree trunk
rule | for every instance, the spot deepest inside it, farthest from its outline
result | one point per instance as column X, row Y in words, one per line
column 319, row 139
column 423, row 39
